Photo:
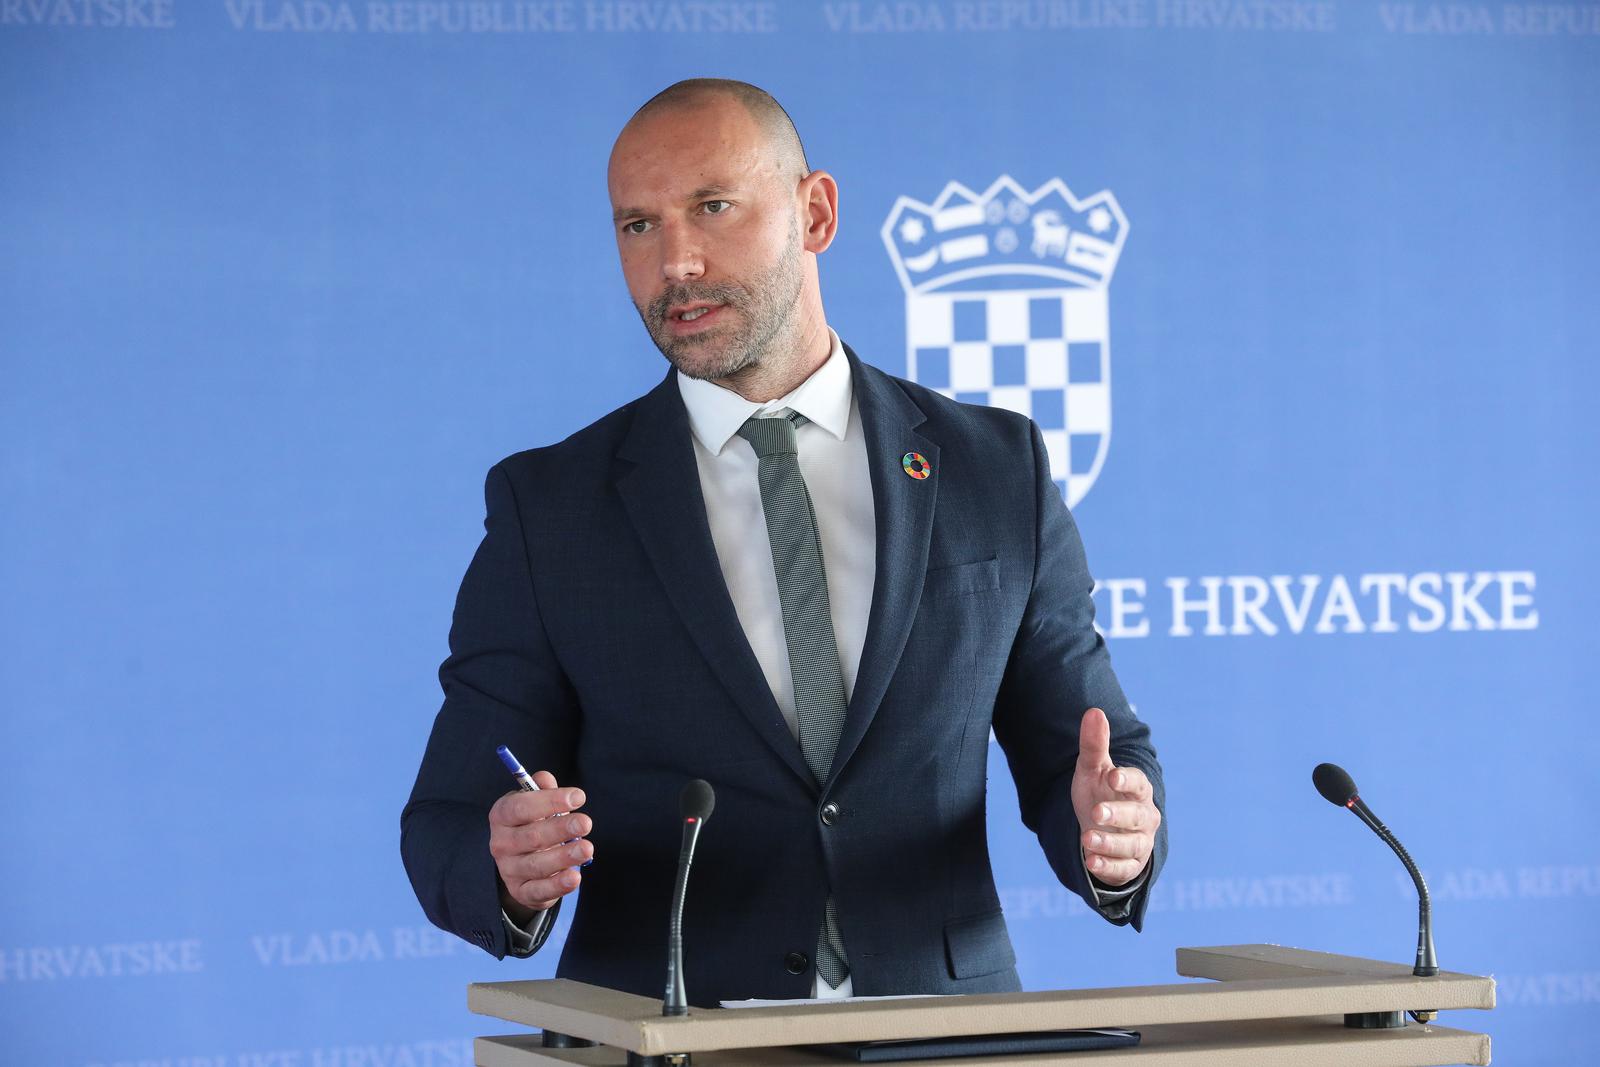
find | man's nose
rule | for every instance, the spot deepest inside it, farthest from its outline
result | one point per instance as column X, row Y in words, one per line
column 681, row 256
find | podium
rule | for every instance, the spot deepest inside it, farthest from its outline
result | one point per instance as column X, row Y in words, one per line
column 1266, row 1005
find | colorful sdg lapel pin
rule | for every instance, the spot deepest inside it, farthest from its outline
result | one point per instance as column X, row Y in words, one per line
column 916, row 466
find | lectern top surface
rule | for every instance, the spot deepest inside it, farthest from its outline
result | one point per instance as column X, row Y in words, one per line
column 624, row 1020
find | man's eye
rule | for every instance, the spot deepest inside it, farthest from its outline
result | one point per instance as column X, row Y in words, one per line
column 636, row 226
column 717, row 207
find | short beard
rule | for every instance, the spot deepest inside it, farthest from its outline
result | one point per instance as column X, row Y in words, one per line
column 766, row 306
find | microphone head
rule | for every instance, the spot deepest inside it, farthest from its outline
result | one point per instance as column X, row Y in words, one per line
column 697, row 800
column 1334, row 783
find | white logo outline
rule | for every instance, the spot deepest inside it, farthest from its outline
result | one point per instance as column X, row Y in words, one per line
column 974, row 237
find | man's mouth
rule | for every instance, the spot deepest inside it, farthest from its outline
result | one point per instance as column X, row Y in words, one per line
column 686, row 317
column 690, row 312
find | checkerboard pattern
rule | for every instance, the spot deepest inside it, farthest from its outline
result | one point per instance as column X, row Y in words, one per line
column 1044, row 353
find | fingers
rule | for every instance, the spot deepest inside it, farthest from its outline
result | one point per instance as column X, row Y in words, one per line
column 538, row 839
column 549, row 864
column 538, row 878
column 542, row 893
column 1115, row 806
column 1129, row 782
column 520, row 809
column 1116, row 858
column 1115, row 846
column 1122, row 833
column 1094, row 741
column 1139, row 816
column 515, row 840
column 1114, row 872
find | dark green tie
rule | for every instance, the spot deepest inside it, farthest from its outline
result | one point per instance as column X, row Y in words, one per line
column 819, row 702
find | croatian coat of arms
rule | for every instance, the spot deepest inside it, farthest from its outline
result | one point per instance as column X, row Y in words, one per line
column 1006, row 305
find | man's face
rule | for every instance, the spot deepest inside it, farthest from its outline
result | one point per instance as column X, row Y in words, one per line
column 709, row 236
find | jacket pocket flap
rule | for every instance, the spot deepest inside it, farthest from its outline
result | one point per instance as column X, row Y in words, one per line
column 978, row 945
column 962, row 578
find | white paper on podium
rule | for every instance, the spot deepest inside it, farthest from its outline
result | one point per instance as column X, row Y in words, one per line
column 827, row 1000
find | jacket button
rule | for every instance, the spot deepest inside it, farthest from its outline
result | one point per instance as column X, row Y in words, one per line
column 796, row 963
column 830, row 813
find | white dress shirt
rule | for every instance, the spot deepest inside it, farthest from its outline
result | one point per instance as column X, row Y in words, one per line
column 833, row 461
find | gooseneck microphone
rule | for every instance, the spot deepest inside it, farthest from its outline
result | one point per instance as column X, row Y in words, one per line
column 694, row 804
column 1337, row 787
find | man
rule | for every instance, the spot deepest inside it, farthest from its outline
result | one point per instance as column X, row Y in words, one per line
column 783, row 571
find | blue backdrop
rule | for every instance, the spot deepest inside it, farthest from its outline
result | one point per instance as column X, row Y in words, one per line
column 280, row 280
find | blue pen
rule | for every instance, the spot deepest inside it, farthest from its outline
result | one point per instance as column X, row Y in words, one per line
column 524, row 779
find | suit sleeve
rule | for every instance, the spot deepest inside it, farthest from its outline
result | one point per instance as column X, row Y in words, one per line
column 1059, row 668
column 502, row 686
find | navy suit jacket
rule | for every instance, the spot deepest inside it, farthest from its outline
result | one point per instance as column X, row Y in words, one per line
column 595, row 636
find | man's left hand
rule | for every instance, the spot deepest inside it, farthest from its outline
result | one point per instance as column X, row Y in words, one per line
column 1114, row 806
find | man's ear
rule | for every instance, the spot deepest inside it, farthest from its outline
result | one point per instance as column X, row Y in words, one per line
column 818, row 195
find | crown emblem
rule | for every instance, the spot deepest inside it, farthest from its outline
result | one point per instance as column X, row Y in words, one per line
column 1007, row 296
column 1006, row 231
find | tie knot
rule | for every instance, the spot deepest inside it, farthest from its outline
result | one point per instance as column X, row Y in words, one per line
column 772, row 437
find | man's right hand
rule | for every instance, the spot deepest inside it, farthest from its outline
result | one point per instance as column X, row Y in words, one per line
column 538, row 841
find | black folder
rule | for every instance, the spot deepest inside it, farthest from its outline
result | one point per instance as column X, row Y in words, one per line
column 932, row 1048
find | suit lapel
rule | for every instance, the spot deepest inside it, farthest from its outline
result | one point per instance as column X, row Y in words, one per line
column 904, row 516
column 661, row 493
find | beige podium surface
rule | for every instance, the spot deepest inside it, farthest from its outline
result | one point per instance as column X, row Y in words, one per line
column 1266, row 1005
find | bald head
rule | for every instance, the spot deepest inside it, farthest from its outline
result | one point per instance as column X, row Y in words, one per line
column 719, row 222
column 781, row 141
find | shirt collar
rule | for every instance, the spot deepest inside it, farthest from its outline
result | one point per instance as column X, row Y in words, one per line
column 716, row 413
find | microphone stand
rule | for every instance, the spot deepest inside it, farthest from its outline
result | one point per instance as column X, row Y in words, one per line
column 694, row 805
column 1337, row 787
column 676, row 1001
